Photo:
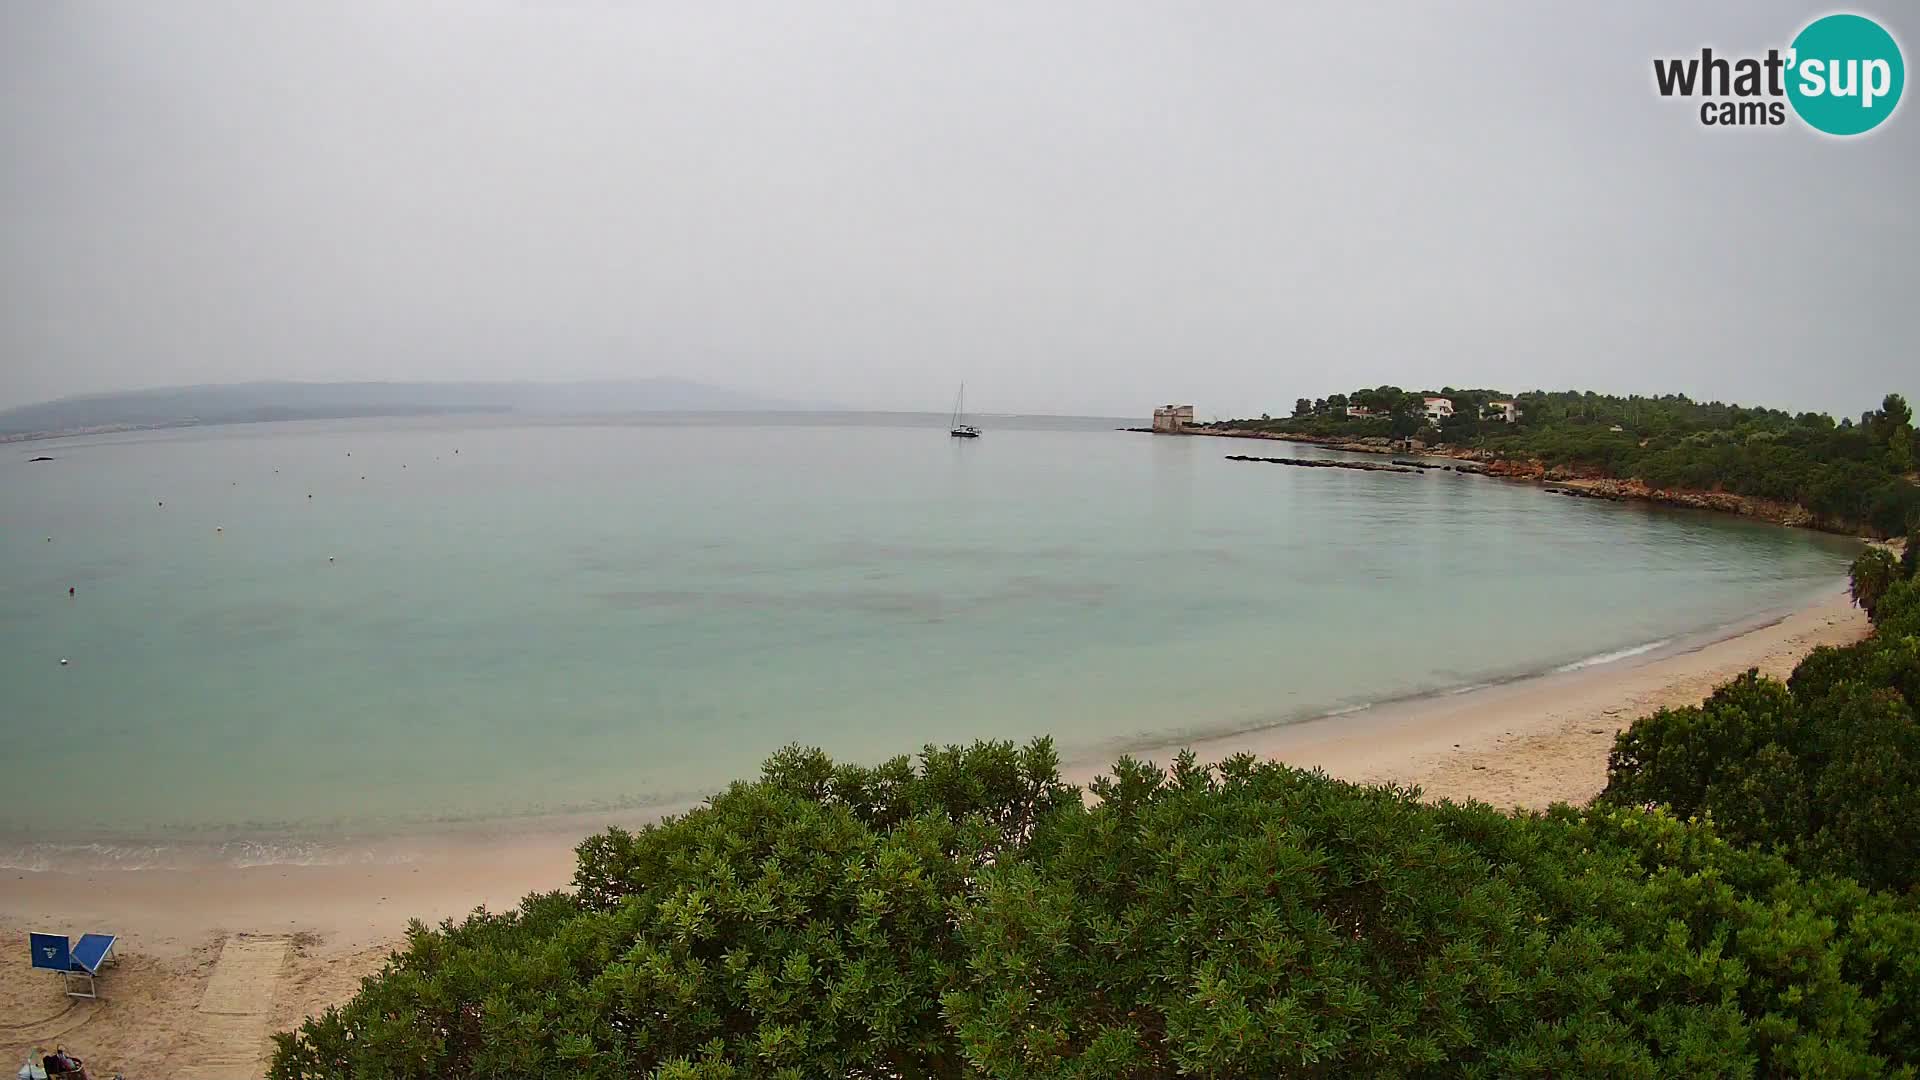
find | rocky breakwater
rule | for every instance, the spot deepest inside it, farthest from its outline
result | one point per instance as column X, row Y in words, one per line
column 1467, row 467
column 1325, row 463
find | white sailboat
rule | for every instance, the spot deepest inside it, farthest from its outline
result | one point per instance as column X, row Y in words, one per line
column 961, row 430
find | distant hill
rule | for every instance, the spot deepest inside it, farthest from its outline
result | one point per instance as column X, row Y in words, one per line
column 242, row 403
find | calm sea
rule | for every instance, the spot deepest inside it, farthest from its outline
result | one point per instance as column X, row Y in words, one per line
column 380, row 625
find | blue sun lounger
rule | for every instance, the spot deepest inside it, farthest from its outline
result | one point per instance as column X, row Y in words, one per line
column 75, row 961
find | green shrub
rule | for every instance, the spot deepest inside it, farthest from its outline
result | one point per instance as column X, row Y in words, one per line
column 1830, row 782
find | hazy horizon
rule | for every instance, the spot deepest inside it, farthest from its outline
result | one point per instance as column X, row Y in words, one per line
column 1077, row 208
column 781, row 405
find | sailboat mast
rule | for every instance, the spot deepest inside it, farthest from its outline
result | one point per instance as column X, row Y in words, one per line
column 959, row 405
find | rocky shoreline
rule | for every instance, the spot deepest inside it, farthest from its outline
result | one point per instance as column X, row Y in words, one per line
column 1559, row 479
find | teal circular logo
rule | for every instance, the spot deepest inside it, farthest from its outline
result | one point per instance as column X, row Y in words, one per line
column 1845, row 74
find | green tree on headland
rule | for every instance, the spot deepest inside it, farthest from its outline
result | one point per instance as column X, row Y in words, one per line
column 1893, row 428
column 1892, row 422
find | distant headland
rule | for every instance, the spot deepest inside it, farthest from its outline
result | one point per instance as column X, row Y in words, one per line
column 259, row 402
column 1807, row 469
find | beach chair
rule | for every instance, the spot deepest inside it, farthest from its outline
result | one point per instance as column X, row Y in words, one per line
column 76, row 961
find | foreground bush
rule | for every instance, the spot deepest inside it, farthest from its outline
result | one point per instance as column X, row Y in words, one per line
column 799, row 926
column 1823, row 769
column 974, row 917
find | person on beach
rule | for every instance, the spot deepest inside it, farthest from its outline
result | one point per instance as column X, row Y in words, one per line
column 61, row 1063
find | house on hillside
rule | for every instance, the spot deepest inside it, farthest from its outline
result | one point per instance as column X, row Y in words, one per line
column 1361, row 412
column 1438, row 408
column 1172, row 419
column 1500, row 410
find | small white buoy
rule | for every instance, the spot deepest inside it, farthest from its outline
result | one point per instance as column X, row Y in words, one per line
column 63, row 661
column 329, row 558
column 217, row 528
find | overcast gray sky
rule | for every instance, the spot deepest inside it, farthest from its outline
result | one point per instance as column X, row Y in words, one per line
column 1075, row 206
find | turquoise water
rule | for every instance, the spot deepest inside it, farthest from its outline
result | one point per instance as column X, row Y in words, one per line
column 569, row 617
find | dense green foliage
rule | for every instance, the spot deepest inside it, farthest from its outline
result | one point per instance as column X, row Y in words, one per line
column 1823, row 769
column 1257, row 921
column 796, row 926
column 975, row 917
column 1850, row 475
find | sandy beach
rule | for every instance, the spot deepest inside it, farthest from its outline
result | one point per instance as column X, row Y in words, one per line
column 214, row 960
column 1540, row 740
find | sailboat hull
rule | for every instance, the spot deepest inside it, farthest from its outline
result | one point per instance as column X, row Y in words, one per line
column 960, row 430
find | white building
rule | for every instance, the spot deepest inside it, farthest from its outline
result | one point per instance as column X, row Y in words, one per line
column 1172, row 419
column 1360, row 411
column 1500, row 410
column 1438, row 407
